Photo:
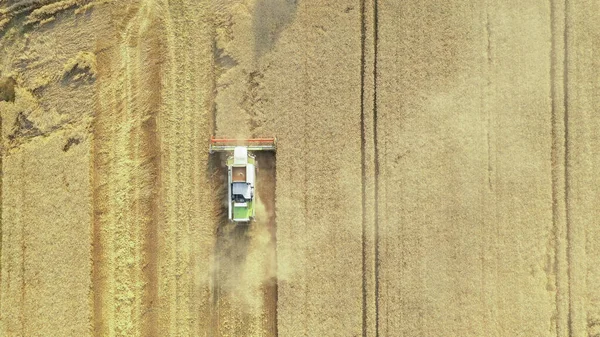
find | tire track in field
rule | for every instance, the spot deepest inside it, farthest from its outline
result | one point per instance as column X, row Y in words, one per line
column 367, row 148
column 572, row 327
column 376, row 165
column 151, row 49
column 1, row 179
column 363, row 166
column 558, row 95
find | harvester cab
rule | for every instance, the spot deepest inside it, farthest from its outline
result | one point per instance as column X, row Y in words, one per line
column 241, row 173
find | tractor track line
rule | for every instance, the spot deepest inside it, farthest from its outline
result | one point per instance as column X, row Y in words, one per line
column 1, row 179
column 182, row 210
column 151, row 149
column 569, row 228
column 559, row 173
column 144, row 95
column 554, row 154
column 215, row 270
column 22, row 315
column 99, row 159
column 376, row 155
column 363, row 168
column 98, row 280
column 213, row 104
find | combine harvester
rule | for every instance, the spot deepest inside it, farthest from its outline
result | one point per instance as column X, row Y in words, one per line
column 241, row 174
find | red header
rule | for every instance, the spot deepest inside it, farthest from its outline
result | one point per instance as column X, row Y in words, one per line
column 251, row 140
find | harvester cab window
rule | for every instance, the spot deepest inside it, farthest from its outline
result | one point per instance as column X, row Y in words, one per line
column 241, row 190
